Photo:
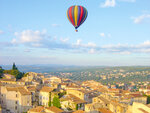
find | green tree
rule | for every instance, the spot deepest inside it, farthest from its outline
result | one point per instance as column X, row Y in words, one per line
column 14, row 67
column 1, row 72
column 76, row 106
column 49, row 103
column 15, row 72
column 56, row 102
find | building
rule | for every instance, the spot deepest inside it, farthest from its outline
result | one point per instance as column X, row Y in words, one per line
column 44, row 95
column 138, row 108
column 15, row 99
column 82, row 94
column 53, row 109
column 71, row 102
column 41, row 109
column 38, row 109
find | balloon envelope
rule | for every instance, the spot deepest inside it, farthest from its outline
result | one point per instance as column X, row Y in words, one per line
column 76, row 15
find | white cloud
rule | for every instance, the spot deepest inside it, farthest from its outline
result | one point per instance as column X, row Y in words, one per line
column 142, row 18
column 1, row 32
column 28, row 36
column 79, row 44
column 39, row 39
column 109, row 3
column 91, row 44
column 64, row 40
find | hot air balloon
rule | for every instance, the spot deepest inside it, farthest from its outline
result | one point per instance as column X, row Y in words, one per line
column 76, row 15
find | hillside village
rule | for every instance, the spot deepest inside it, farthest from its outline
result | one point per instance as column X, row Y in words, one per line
column 37, row 93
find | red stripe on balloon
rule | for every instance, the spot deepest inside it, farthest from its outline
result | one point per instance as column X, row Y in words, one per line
column 81, row 15
column 70, row 14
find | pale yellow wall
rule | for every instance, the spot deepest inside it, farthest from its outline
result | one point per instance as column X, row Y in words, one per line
column 11, row 101
column 44, row 98
column 3, row 96
column 135, row 107
column 17, row 104
column 76, row 93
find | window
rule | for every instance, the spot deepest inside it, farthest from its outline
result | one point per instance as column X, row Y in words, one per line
column 15, row 107
column 16, row 95
column 16, row 102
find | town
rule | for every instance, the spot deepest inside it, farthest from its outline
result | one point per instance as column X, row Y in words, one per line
column 39, row 93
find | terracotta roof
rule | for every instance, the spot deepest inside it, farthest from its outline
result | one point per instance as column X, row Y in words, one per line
column 103, row 99
column 72, row 98
column 114, row 90
column 38, row 109
column 23, row 91
column 143, row 110
column 64, row 83
column 12, row 80
column 103, row 110
column 31, row 88
column 148, row 105
column 46, row 89
column 11, row 89
column 54, row 109
column 79, row 111
column 137, row 95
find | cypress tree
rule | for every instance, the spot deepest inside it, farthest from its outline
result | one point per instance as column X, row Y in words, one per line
column 14, row 67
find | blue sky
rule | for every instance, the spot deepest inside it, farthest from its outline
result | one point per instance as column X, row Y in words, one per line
column 115, row 33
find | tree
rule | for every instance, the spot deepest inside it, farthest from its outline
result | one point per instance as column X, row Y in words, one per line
column 56, row 102
column 14, row 67
column 1, row 72
column 14, row 71
column 49, row 103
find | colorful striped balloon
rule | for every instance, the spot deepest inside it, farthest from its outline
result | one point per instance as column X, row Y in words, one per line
column 76, row 15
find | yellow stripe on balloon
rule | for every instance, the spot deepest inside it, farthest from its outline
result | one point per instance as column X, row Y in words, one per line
column 76, row 15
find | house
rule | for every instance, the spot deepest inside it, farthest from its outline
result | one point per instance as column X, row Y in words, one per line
column 103, row 101
column 44, row 95
column 15, row 99
column 82, row 94
column 34, row 94
column 38, row 109
column 8, row 76
column 117, row 107
column 53, row 109
column 138, row 108
column 41, row 109
column 55, row 79
column 93, row 107
column 71, row 102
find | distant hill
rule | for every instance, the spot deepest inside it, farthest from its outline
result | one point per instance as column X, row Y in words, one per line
column 50, row 68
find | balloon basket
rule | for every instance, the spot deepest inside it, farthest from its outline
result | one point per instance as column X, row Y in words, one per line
column 76, row 30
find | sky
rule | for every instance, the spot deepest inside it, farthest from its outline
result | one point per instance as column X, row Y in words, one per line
column 115, row 33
